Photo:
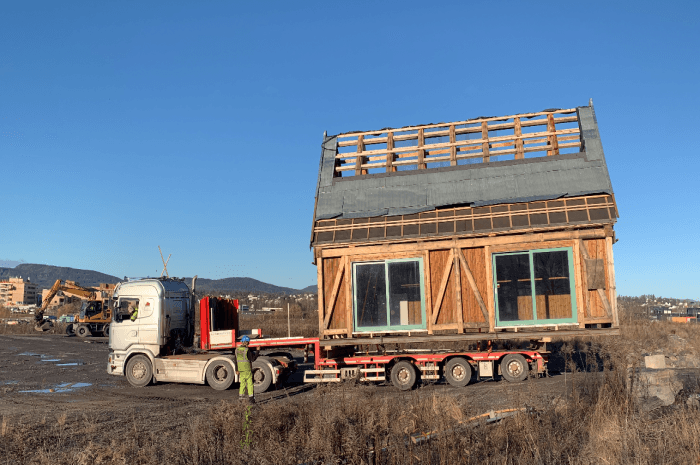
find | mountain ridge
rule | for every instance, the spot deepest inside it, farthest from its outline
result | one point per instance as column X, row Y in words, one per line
column 44, row 276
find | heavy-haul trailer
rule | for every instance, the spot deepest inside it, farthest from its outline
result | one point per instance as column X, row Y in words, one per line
column 404, row 368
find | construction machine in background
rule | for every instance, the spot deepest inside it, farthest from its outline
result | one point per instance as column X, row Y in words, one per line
column 95, row 314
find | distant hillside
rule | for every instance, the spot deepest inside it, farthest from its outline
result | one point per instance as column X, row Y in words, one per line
column 241, row 284
column 45, row 275
column 312, row 289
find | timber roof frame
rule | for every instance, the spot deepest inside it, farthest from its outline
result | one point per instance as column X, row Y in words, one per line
column 394, row 173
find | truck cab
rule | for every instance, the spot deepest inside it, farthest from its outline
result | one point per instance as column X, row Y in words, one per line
column 163, row 317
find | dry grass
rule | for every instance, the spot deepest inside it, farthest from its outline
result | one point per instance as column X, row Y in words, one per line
column 597, row 422
column 343, row 424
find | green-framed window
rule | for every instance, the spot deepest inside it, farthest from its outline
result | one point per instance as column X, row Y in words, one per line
column 534, row 287
column 388, row 295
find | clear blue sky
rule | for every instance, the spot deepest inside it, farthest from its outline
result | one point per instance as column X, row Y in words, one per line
column 197, row 126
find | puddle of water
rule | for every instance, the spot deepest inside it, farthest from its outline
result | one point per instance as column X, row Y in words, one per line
column 49, row 360
column 65, row 387
column 30, row 354
column 73, row 385
column 71, row 364
column 9, row 382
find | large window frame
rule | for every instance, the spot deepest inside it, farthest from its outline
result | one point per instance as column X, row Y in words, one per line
column 388, row 327
column 535, row 321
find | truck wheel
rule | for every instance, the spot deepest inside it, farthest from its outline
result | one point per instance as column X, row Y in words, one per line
column 262, row 377
column 105, row 331
column 514, row 368
column 83, row 331
column 139, row 372
column 69, row 330
column 458, row 372
column 403, row 375
column 220, row 375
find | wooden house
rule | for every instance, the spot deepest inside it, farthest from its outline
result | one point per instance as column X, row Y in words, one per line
column 488, row 225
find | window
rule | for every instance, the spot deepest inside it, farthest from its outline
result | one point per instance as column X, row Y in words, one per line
column 534, row 287
column 124, row 311
column 389, row 295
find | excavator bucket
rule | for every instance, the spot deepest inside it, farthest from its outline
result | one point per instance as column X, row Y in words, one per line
column 43, row 326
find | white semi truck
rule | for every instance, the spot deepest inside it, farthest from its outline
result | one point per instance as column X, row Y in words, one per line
column 145, row 350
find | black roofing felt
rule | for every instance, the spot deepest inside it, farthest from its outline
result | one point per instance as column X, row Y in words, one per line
column 407, row 192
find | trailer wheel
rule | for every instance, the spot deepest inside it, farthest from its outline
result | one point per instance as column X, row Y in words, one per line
column 458, row 372
column 514, row 368
column 105, row 331
column 83, row 331
column 139, row 372
column 403, row 375
column 220, row 375
column 262, row 377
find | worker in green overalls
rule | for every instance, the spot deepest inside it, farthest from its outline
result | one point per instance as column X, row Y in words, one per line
column 244, row 368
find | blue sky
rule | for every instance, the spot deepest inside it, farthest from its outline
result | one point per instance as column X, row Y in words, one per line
column 197, row 126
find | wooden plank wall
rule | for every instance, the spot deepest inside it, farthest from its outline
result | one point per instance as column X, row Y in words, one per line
column 441, row 281
column 439, row 261
column 596, row 250
column 339, row 319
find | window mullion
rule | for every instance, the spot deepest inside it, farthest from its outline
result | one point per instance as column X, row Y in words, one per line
column 386, row 290
column 532, row 285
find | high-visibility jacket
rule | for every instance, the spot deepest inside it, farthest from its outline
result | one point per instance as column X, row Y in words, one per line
column 243, row 359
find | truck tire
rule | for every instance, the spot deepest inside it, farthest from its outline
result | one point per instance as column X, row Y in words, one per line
column 69, row 330
column 139, row 371
column 220, row 374
column 262, row 377
column 105, row 330
column 514, row 368
column 403, row 375
column 83, row 331
column 458, row 372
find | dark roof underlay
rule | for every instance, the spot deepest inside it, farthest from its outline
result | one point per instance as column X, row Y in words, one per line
column 407, row 192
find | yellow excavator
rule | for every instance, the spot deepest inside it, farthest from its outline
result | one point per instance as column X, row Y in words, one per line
column 95, row 313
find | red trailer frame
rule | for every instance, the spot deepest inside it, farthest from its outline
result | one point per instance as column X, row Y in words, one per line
column 220, row 331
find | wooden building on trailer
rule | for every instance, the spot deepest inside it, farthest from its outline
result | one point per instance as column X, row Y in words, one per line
column 489, row 225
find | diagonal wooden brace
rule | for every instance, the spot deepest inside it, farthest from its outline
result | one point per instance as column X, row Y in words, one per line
column 443, row 287
column 334, row 293
column 472, row 283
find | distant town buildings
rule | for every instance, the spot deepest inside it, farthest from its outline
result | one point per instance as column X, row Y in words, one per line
column 17, row 291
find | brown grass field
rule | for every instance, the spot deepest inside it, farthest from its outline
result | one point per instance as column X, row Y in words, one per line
column 597, row 422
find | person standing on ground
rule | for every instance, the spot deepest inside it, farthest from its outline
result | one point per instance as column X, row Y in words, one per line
column 244, row 368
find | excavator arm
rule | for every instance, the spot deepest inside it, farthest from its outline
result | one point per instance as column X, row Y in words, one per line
column 66, row 288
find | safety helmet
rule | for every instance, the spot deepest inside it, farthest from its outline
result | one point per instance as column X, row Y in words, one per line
column 245, row 339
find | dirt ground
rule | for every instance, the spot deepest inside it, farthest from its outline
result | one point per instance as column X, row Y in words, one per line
column 49, row 374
